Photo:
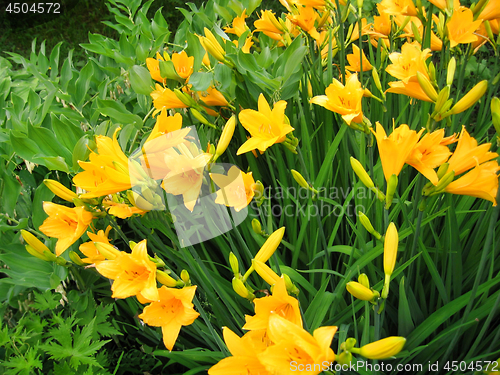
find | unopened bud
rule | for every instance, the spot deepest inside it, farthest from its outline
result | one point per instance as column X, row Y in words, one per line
column 359, row 291
column 240, row 288
column 470, row 98
column 452, row 65
column 60, row 190
column 365, row 221
column 197, row 115
column 290, row 286
column 383, row 349
column 184, row 98
column 392, row 184
column 256, row 226
column 361, row 173
column 75, row 258
column 427, row 87
column 165, row 279
column 226, row 136
column 185, row 277
column 363, row 280
column 233, row 262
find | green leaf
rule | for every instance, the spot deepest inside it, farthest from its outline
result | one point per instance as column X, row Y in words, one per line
column 201, row 81
column 42, row 194
column 140, row 79
column 117, row 111
column 167, row 70
column 66, row 131
column 83, row 83
column 405, row 321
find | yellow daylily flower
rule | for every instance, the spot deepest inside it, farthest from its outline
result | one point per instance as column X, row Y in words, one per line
column 213, row 97
column 266, row 126
column 278, row 303
column 305, row 18
column 163, row 97
column 239, row 25
column 481, row 182
column 185, row 176
column 269, row 25
column 491, row 11
column 66, row 224
column 90, row 250
column 106, row 172
column 121, row 210
column 428, row 154
column 183, row 64
column 395, row 148
column 131, row 273
column 154, row 67
column 354, row 61
column 399, row 7
column 237, row 188
column 468, row 154
column 171, row 310
column 244, row 350
column 461, row 27
column 344, row 100
column 296, row 347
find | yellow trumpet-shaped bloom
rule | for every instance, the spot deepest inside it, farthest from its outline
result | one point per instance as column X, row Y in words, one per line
column 165, row 124
column 408, row 62
column 461, row 27
column 491, row 11
column 428, row 154
column 399, row 7
column 269, row 25
column 121, row 210
column 385, row 348
column 131, row 273
column 278, row 303
column 183, row 64
column 66, row 224
column 305, row 18
column 172, row 310
column 395, row 149
column 244, row 350
column 90, row 250
column 293, row 346
column 266, row 126
column 480, row 182
column 106, row 172
column 237, row 188
column 154, row 67
column 344, row 100
column 213, row 97
column 239, row 25
column 185, row 176
column 468, row 154
column 165, row 98
column 355, row 62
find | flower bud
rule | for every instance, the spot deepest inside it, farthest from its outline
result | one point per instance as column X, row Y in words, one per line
column 185, row 277
column 368, row 225
column 443, row 168
column 184, row 98
column 226, row 136
column 60, row 190
column 495, row 113
column 300, row 179
column 75, row 258
column 256, row 226
column 390, row 254
column 392, row 184
column 109, row 251
column 427, row 87
column 360, row 291
column 267, row 274
column 384, row 348
column 36, row 253
column 361, row 173
column 444, row 182
column 34, row 242
column 165, row 279
column 376, row 80
column 233, row 262
column 290, row 286
column 240, row 288
column 270, row 246
column 197, row 115
column 344, row 358
column 363, row 280
column 470, row 98
column 450, row 74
